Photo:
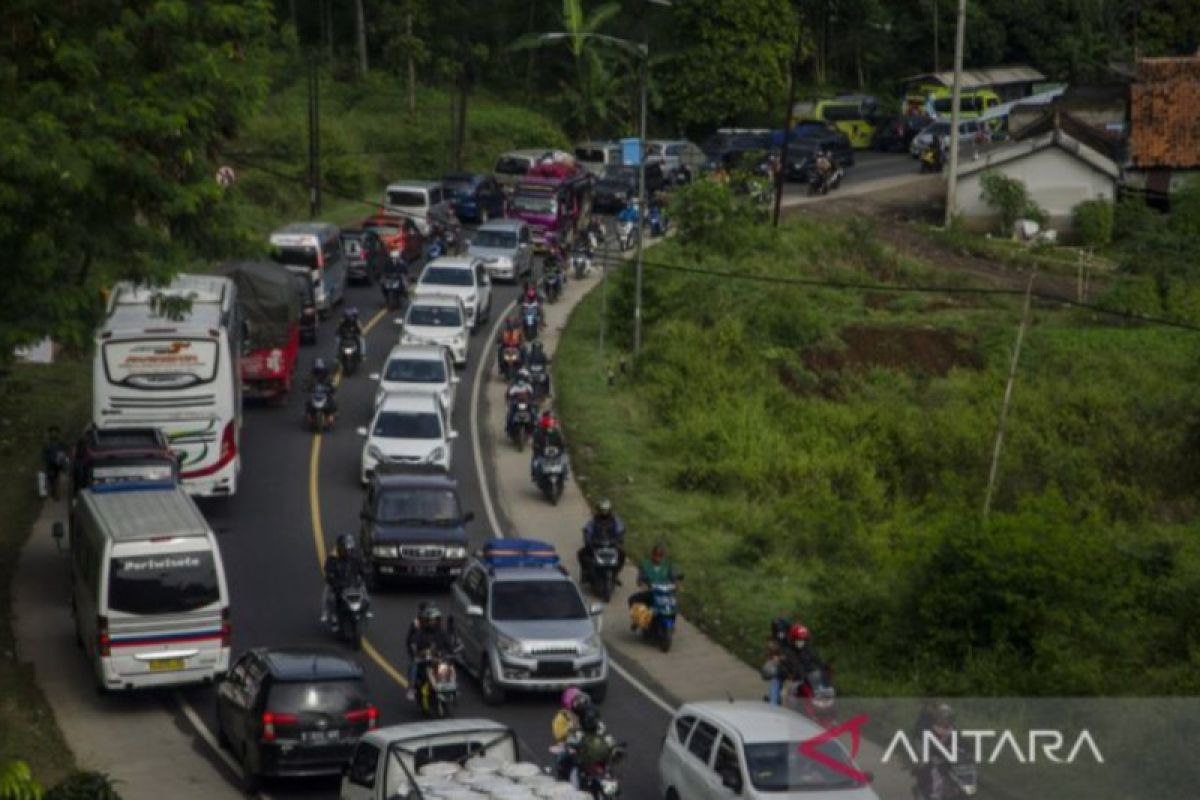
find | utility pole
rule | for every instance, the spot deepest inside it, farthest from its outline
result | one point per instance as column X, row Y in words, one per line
column 956, row 100
column 937, row 61
column 314, row 141
column 641, row 222
column 1008, row 390
column 787, row 132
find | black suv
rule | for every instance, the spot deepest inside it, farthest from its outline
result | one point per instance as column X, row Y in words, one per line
column 413, row 526
column 293, row 712
column 618, row 187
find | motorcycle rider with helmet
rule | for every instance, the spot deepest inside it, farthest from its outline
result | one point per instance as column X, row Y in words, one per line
column 427, row 634
column 350, row 326
column 589, row 743
column 519, row 391
column 930, row 774
column 547, row 434
column 604, row 525
column 564, row 725
column 512, row 334
column 797, row 660
column 343, row 568
column 537, row 355
column 656, row 568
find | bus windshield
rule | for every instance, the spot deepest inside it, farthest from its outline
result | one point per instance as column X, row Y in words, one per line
column 536, row 203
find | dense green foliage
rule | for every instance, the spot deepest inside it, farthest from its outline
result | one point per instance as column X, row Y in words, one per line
column 84, row 786
column 824, row 453
column 1093, row 222
column 17, row 783
column 1010, row 198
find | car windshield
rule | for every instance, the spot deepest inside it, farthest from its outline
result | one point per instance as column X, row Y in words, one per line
column 415, row 370
column 295, row 256
column 512, row 166
column 458, row 183
column 384, row 230
column 418, row 505
column 172, row 583
column 621, row 174
column 407, row 425
column 536, row 600
column 447, row 276
column 499, row 240
column 434, row 316
column 537, row 203
column 406, row 199
column 323, row 697
column 781, row 767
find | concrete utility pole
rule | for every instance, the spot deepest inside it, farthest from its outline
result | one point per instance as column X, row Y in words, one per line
column 641, row 222
column 787, row 132
column 956, row 99
column 314, row 140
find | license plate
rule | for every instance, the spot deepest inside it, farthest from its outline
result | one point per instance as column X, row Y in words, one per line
column 321, row 736
column 422, row 570
column 386, row 570
column 553, row 469
column 166, row 664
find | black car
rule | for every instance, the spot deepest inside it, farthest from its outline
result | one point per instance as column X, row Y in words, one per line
column 361, row 247
column 293, row 712
column 895, row 134
column 413, row 526
column 618, row 186
column 474, row 197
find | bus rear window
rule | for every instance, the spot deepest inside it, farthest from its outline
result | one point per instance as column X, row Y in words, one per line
column 172, row 583
column 296, row 257
column 512, row 166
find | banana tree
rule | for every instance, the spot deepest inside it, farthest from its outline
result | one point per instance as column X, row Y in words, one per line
column 17, row 783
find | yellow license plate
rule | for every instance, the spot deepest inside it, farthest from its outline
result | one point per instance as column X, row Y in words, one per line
column 166, row 664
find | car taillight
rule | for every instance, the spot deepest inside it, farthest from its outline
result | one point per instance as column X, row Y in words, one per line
column 226, row 628
column 103, row 643
column 228, row 442
column 272, row 718
column 370, row 714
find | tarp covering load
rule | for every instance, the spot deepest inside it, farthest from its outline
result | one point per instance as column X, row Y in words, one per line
column 268, row 299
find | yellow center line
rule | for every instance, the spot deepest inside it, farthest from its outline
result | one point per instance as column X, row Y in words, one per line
column 318, row 531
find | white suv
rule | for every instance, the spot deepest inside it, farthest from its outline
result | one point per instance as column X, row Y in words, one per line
column 419, row 200
column 417, row 368
column 407, row 428
column 437, row 319
column 719, row 749
column 464, row 277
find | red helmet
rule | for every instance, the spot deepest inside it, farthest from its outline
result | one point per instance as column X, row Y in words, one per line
column 797, row 633
column 548, row 421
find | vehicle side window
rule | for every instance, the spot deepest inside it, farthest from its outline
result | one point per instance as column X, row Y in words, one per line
column 524, row 235
column 474, row 586
column 683, row 726
column 364, row 765
column 727, row 757
column 254, row 682
column 237, row 675
column 435, row 196
column 701, row 743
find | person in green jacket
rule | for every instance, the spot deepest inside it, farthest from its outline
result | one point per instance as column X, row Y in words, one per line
column 655, row 569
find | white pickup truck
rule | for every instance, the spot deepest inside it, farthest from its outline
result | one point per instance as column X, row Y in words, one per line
column 451, row 759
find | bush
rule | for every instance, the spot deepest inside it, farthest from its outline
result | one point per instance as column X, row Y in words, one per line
column 17, row 783
column 84, row 786
column 1093, row 222
column 1010, row 197
column 710, row 216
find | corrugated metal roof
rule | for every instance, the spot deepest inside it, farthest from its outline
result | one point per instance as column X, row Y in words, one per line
column 131, row 516
column 978, row 78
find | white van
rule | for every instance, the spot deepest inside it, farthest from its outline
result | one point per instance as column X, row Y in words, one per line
column 314, row 249
column 597, row 156
column 148, row 589
column 418, row 200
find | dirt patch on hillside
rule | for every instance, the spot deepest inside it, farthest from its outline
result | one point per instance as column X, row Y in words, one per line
column 927, row 351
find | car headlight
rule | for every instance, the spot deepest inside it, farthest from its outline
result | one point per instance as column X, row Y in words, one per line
column 385, row 551
column 435, row 455
column 456, row 552
column 509, row 647
column 375, row 454
column 591, row 646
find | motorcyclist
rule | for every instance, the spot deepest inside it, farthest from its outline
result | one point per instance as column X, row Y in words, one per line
column 799, row 658
column 604, row 525
column 521, row 390
column 319, row 375
column 777, row 644
column 427, row 635
column 511, row 335
column 931, row 773
column 343, row 568
column 657, row 568
column 564, row 725
column 824, row 167
column 537, row 355
column 54, row 458
column 532, row 295
column 350, row 326
column 589, row 743
column 547, row 434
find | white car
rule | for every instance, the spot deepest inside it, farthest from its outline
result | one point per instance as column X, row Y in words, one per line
column 416, row 368
column 968, row 130
column 464, row 277
column 719, row 750
column 410, row 429
column 505, row 246
column 437, row 319
column 418, row 200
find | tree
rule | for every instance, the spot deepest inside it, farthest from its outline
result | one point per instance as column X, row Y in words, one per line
column 17, row 783
column 730, row 58
column 113, row 119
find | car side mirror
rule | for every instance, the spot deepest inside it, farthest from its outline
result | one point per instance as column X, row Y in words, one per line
column 59, row 532
column 474, row 611
column 374, row 376
column 452, row 435
column 398, row 322
column 361, row 432
column 467, row 517
column 596, row 609
column 455, row 380
column 732, row 780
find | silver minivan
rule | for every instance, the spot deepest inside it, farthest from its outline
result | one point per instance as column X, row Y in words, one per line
column 598, row 155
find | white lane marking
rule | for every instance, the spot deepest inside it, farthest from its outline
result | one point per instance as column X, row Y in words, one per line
column 203, row 732
column 482, row 373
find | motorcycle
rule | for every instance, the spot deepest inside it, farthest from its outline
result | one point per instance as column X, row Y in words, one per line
column 539, row 376
column 531, row 320
column 552, row 284
column 931, row 158
column 602, row 570
column 657, row 218
column 349, row 353
column 598, row 779
column 822, row 183
column 664, row 608
column 438, row 688
column 581, row 262
column 817, row 697
column 393, row 289
column 520, row 424
column 308, row 323
column 318, row 411
column 552, row 474
column 627, row 227
column 352, row 612
column 510, row 362
column 960, row 781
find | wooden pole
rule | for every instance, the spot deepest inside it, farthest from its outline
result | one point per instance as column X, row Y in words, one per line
column 1008, row 390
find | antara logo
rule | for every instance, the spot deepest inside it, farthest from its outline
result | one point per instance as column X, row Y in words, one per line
column 1046, row 745
column 854, row 726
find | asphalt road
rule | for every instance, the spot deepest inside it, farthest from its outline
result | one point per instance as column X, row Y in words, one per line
column 868, row 166
column 269, row 545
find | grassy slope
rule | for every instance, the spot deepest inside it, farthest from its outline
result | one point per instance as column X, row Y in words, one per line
column 786, row 485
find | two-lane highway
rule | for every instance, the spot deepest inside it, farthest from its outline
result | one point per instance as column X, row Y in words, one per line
column 298, row 492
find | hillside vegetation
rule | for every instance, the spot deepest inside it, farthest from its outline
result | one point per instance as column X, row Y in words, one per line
column 824, row 453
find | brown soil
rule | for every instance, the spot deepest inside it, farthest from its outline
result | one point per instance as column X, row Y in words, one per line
column 928, row 351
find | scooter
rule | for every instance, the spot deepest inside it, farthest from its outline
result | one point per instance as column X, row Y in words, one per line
column 657, row 219
column 349, row 353
column 602, row 569
column 552, row 284
column 438, row 691
column 510, row 362
column 539, row 376
column 664, row 607
column 824, row 183
column 392, row 285
column 817, row 697
column 318, row 411
column 352, row 604
column 931, row 159
column 520, row 424
column 627, row 226
column 581, row 262
column 552, row 474
column 960, row 781
column 598, row 779
column 531, row 320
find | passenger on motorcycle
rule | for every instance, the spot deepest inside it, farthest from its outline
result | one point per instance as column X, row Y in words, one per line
column 589, row 743
column 797, row 660
column 604, row 525
column 566, row 723
column 319, row 376
column 350, row 326
column 521, row 390
column 427, row 635
column 547, row 434
column 655, row 569
column 343, row 568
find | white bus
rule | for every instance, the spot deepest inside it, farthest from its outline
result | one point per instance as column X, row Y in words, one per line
column 148, row 589
column 177, row 370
